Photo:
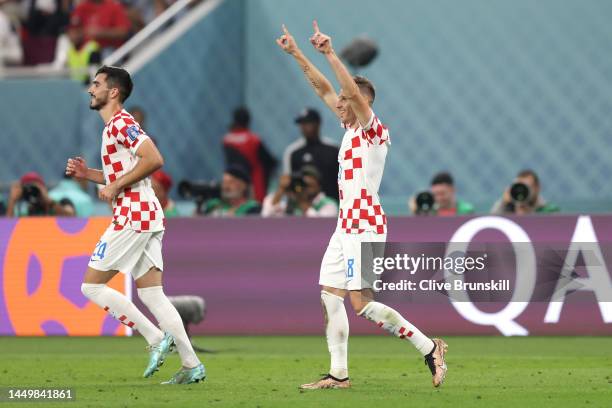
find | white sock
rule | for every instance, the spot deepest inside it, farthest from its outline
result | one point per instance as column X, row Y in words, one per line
column 169, row 320
column 122, row 309
column 394, row 323
column 336, row 331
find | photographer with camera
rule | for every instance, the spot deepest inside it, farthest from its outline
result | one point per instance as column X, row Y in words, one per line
column 441, row 199
column 313, row 150
column 523, row 197
column 29, row 197
column 300, row 194
column 234, row 196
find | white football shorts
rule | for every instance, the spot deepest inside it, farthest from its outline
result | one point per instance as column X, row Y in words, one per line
column 341, row 266
column 128, row 251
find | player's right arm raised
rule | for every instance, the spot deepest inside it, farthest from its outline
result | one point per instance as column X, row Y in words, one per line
column 77, row 168
column 316, row 79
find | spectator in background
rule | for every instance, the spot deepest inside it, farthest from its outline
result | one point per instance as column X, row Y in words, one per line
column 70, row 189
column 75, row 53
column 68, row 207
column 445, row 202
column 2, row 206
column 10, row 46
column 313, row 150
column 300, row 194
column 142, row 12
column 29, row 197
column 139, row 116
column 104, row 21
column 245, row 149
column 523, row 197
column 162, row 184
column 44, row 22
column 234, row 200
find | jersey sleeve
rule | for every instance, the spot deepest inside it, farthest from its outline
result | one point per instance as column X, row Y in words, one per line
column 375, row 132
column 128, row 134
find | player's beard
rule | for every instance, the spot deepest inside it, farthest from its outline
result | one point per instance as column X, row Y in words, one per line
column 97, row 103
column 348, row 118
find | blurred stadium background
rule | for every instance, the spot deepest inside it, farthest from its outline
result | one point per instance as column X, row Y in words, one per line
column 478, row 88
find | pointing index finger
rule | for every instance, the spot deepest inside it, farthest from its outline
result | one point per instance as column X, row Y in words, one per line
column 315, row 26
column 285, row 30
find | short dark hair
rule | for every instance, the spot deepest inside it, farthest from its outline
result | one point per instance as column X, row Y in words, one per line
column 443, row 177
column 312, row 171
column 117, row 77
column 365, row 86
column 239, row 172
column 529, row 173
column 241, row 117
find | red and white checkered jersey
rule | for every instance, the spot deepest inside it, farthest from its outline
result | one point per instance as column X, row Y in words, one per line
column 136, row 207
column 362, row 161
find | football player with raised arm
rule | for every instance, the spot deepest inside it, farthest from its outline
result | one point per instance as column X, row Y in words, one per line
column 361, row 218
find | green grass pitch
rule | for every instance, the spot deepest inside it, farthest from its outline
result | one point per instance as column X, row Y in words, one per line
column 265, row 372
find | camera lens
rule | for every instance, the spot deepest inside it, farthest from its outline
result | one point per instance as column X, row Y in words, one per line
column 184, row 189
column 297, row 182
column 31, row 193
column 424, row 202
column 519, row 192
column 199, row 190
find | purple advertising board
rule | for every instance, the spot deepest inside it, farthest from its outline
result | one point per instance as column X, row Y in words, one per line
column 260, row 276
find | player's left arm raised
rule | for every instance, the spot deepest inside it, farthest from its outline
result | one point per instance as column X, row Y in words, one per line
column 350, row 90
column 150, row 160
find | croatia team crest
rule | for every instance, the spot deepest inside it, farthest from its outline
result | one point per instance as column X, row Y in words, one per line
column 133, row 132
